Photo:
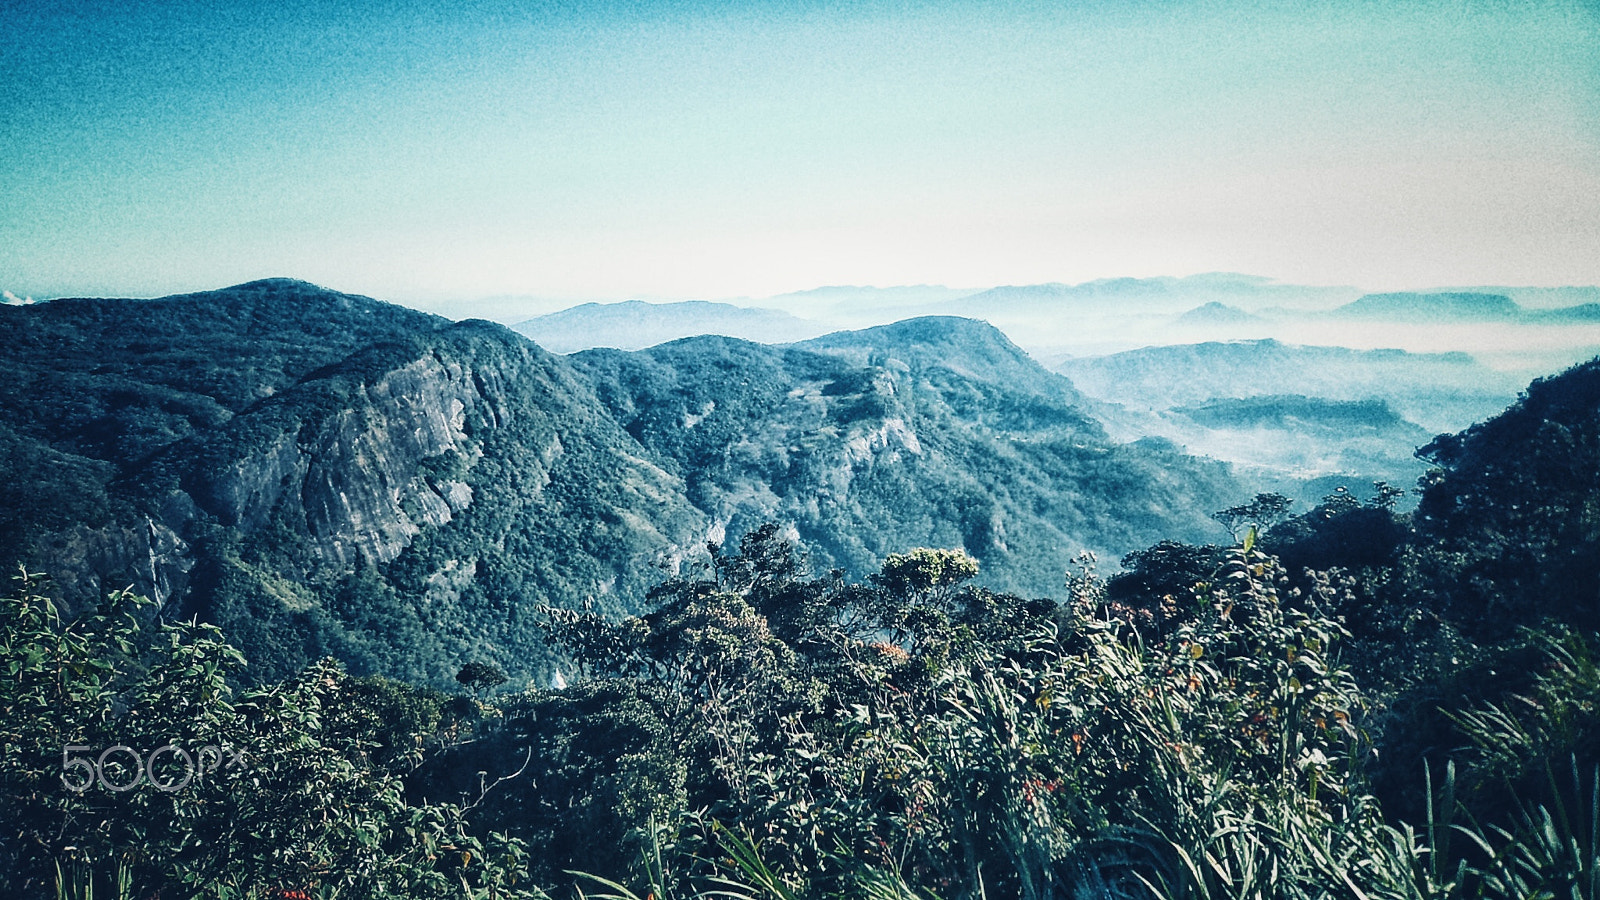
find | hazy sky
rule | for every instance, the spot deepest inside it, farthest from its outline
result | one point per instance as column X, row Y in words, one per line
column 420, row 151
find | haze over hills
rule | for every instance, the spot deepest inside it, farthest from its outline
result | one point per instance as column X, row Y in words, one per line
column 1436, row 390
column 1546, row 329
column 856, row 305
column 1293, row 412
column 1057, row 321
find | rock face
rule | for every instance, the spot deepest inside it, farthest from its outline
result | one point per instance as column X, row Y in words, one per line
column 461, row 470
column 356, row 477
column 322, row 473
column 145, row 555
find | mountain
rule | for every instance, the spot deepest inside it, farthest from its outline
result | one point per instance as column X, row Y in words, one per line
column 1582, row 313
column 933, row 432
column 1320, row 444
column 858, row 305
column 1164, row 295
column 1538, row 297
column 1281, row 410
column 635, row 324
column 97, row 387
column 1447, row 306
column 325, row 474
column 1214, row 314
column 1432, row 307
column 394, row 507
column 1512, row 518
column 971, row 348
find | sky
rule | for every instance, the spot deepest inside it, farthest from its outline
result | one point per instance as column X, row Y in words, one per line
column 420, row 152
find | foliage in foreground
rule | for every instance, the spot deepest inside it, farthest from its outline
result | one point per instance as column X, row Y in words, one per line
column 294, row 788
column 763, row 733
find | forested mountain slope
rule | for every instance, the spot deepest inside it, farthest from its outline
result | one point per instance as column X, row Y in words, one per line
column 1513, row 514
column 323, row 473
column 401, row 508
column 933, row 432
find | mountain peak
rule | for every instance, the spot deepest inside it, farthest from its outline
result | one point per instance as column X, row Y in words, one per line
column 1215, row 313
column 276, row 284
column 969, row 335
column 970, row 347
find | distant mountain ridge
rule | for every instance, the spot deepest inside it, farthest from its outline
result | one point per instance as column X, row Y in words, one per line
column 1214, row 313
column 1410, row 306
column 1166, row 295
column 636, row 324
column 1456, row 306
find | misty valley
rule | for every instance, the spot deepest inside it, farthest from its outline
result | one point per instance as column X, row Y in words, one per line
column 1167, row 588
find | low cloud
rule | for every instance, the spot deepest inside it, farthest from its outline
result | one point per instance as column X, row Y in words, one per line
column 13, row 300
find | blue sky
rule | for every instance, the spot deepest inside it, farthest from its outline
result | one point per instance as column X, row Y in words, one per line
column 424, row 151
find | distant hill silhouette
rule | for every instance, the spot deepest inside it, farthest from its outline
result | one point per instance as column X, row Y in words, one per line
column 1215, row 313
column 1411, row 307
column 636, row 324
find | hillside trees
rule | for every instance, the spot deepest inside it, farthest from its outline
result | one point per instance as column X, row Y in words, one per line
column 1509, row 525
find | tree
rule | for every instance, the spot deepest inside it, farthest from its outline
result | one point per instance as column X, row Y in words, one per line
column 129, row 760
column 1265, row 511
column 480, row 677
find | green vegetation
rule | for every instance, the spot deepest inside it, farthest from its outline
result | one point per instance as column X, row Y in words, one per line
column 211, row 792
column 327, row 475
column 1303, row 714
column 1354, row 701
column 775, row 735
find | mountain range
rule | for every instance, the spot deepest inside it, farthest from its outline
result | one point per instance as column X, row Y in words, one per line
column 323, row 473
column 1452, row 306
column 1529, row 330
